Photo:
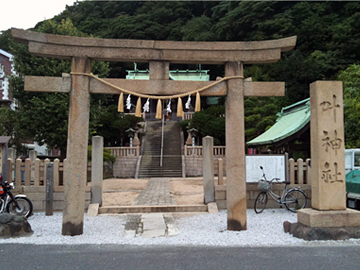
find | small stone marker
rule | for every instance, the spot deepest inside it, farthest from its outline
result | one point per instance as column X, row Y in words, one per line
column 93, row 210
column 212, row 208
column 208, row 169
column 97, row 169
column 49, row 188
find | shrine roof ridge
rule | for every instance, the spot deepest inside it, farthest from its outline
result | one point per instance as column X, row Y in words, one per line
column 285, row 44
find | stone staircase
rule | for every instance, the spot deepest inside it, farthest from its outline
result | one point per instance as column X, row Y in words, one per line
column 150, row 162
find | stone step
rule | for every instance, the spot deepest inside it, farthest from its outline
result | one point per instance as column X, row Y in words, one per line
column 152, row 209
column 171, row 175
column 150, row 161
column 158, row 171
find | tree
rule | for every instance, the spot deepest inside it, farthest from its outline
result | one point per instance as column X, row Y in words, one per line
column 43, row 116
column 112, row 125
column 209, row 122
column 351, row 79
column 327, row 37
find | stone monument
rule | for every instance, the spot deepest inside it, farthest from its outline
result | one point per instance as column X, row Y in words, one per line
column 328, row 218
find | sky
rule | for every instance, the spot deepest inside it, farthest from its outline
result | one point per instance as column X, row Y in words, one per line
column 26, row 14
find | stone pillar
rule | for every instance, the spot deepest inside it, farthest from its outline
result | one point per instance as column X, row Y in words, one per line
column 235, row 149
column 327, row 146
column 189, row 139
column 159, row 70
column 76, row 155
column 221, row 172
column 208, row 169
column 97, row 157
column 328, row 219
column 136, row 140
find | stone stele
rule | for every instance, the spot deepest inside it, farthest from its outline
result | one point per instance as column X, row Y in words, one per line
column 328, row 217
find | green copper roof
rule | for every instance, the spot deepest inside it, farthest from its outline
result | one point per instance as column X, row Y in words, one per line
column 290, row 120
column 177, row 75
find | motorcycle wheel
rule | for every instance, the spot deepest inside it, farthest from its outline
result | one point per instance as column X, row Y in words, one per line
column 25, row 207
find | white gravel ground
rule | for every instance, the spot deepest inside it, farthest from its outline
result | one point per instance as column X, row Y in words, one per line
column 265, row 229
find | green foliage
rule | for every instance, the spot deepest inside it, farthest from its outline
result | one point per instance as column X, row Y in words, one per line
column 351, row 79
column 327, row 33
column 43, row 117
column 9, row 126
column 107, row 156
column 112, row 126
column 184, row 126
column 210, row 122
column 260, row 115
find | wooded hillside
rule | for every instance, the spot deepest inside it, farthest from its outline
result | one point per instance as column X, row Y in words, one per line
column 328, row 38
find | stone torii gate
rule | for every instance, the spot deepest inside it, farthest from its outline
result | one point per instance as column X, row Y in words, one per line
column 159, row 55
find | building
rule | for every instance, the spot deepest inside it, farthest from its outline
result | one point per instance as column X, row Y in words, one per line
column 290, row 133
column 179, row 75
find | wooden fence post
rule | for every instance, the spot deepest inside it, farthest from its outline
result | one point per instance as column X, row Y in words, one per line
column 37, row 173
column 292, row 170
column 33, row 157
column 18, row 172
column 44, row 172
column 300, row 171
column 27, row 172
column 308, row 171
column 56, row 172
column 49, row 168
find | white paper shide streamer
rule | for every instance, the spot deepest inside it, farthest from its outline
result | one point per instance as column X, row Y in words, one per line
column 128, row 102
column 146, row 107
column 187, row 104
column 168, row 108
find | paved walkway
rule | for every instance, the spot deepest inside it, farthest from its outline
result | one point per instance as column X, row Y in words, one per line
column 156, row 192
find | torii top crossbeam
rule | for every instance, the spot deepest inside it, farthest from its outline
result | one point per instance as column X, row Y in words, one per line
column 125, row 50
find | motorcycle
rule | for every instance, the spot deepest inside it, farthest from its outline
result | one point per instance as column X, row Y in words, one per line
column 18, row 204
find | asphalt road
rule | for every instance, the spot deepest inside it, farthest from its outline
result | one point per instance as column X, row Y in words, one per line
column 88, row 257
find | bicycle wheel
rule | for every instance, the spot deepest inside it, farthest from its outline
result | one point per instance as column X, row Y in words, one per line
column 25, row 207
column 260, row 202
column 295, row 200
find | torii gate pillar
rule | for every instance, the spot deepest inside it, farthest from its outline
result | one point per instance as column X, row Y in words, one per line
column 235, row 149
column 76, row 153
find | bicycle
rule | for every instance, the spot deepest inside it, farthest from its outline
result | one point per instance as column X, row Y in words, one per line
column 294, row 198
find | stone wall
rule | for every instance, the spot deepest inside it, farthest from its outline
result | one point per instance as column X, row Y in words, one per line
column 125, row 167
column 37, row 195
column 194, row 165
column 252, row 192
